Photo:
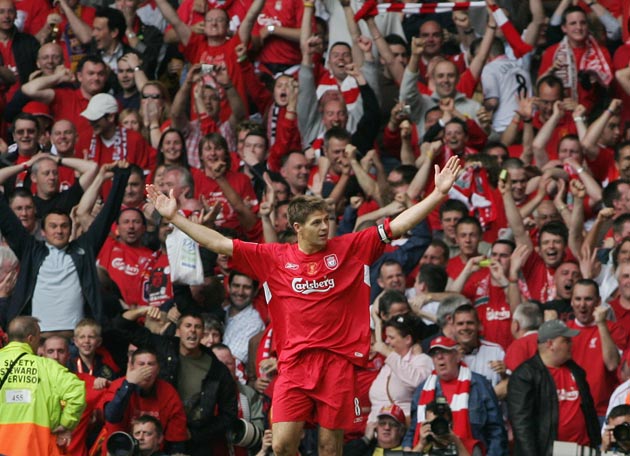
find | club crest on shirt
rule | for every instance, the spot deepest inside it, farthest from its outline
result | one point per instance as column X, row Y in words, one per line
column 331, row 261
column 311, row 268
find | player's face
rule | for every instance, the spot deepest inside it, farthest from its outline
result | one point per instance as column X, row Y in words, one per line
column 467, row 237
column 55, row 348
column 388, row 432
column 397, row 183
column 7, row 15
column 256, row 147
column 87, row 340
column 241, row 292
column 149, row 440
column 211, row 337
column 455, row 137
column 583, row 301
column 131, row 121
column 24, row 209
column 57, row 230
column 49, row 57
column 211, row 153
column 612, row 132
column 551, row 249
column 124, row 73
column 130, row 227
column 565, row 277
column 547, row 96
column 314, row 231
column 190, row 332
column 25, row 135
column 466, row 328
column 103, row 36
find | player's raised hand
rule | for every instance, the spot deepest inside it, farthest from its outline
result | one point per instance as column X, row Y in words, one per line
column 445, row 178
column 165, row 205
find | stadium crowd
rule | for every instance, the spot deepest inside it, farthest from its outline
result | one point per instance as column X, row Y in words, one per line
column 499, row 324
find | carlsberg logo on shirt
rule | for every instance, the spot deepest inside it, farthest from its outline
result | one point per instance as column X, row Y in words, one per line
column 300, row 285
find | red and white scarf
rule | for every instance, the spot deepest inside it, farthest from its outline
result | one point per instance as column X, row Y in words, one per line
column 458, row 403
column 473, row 189
column 512, row 36
column 349, row 89
column 120, row 146
column 371, row 8
column 593, row 61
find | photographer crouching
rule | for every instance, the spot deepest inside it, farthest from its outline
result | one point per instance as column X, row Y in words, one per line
column 436, row 433
column 616, row 435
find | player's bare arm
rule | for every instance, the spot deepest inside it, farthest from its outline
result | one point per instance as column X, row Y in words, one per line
column 444, row 180
column 206, row 237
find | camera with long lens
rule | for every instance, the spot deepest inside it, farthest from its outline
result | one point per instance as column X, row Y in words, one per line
column 245, row 434
column 122, row 444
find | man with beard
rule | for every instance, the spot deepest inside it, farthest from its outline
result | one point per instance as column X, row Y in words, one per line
column 242, row 320
column 204, row 384
column 565, row 277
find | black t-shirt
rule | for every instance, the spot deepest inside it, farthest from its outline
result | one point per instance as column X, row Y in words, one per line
column 63, row 201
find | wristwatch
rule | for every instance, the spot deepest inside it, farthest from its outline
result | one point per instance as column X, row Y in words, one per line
column 271, row 29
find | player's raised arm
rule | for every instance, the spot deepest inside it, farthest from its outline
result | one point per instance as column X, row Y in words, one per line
column 206, row 237
column 444, row 180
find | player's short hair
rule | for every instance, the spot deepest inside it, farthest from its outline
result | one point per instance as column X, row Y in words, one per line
column 469, row 220
column 453, row 205
column 556, row 228
column 144, row 351
column 389, row 298
column 301, row 207
column 447, row 308
column 528, row 315
column 466, row 308
column 219, row 142
column 617, row 411
column 339, row 133
column 569, row 10
column 588, row 283
column 21, row 327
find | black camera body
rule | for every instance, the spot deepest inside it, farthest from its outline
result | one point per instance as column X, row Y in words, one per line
column 122, row 444
column 441, row 424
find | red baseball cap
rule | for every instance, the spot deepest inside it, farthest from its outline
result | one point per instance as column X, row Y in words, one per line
column 395, row 412
column 443, row 342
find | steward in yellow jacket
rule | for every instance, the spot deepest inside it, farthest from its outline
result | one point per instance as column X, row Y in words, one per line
column 39, row 399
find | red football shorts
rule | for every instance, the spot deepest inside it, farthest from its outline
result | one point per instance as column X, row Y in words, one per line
column 317, row 387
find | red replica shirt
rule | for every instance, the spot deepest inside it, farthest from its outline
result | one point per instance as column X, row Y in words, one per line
column 539, row 278
column 566, row 126
column 600, row 166
column 571, row 422
column 158, row 288
column 281, row 13
column 455, row 267
column 31, row 15
column 316, row 301
column 6, row 54
column 212, row 192
column 495, row 317
column 162, row 402
column 521, row 350
column 587, row 352
column 127, row 266
column 78, row 446
column 199, row 51
column 622, row 315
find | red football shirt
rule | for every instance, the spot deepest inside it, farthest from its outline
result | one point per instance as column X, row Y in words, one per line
column 571, row 422
column 496, row 317
column 316, row 301
column 587, row 352
column 455, row 267
column 622, row 315
column 521, row 350
column 128, row 267
column 69, row 104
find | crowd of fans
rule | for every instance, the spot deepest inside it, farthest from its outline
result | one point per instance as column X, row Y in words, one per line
column 505, row 314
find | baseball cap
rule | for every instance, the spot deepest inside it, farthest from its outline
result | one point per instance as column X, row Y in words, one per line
column 99, row 105
column 554, row 328
column 393, row 411
column 443, row 342
column 37, row 109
